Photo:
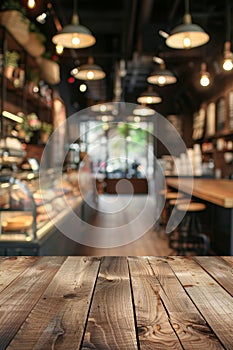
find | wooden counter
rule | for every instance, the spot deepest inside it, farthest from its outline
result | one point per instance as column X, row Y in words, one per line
column 217, row 191
column 116, row 303
column 218, row 196
column 127, row 186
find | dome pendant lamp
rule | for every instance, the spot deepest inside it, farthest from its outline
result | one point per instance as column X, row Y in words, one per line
column 149, row 97
column 89, row 71
column 161, row 76
column 74, row 35
column 187, row 35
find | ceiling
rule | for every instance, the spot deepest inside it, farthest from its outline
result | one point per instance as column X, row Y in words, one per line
column 128, row 30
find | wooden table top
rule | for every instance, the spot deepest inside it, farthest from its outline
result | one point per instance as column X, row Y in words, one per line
column 217, row 191
column 128, row 303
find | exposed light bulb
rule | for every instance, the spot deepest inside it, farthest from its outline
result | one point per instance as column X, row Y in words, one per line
column 83, row 87
column 74, row 71
column 227, row 64
column 137, row 119
column 161, row 80
column 205, row 76
column 149, row 99
column 104, row 118
column 31, row 4
column 187, row 42
column 59, row 49
column 90, row 75
column 103, row 108
column 205, row 80
column 75, row 40
column 41, row 18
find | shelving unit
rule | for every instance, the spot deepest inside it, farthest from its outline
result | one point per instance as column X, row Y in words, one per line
column 217, row 138
column 19, row 96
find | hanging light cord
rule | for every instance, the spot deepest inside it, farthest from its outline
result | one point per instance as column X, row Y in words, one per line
column 228, row 20
column 75, row 7
column 187, row 6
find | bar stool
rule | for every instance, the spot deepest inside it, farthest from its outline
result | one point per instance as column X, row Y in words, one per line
column 169, row 195
column 190, row 238
column 173, row 237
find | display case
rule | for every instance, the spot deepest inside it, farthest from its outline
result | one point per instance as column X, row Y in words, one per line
column 31, row 205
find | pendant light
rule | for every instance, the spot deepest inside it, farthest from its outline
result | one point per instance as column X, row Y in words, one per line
column 161, row 76
column 143, row 111
column 103, row 107
column 74, row 35
column 149, row 97
column 89, row 71
column 187, row 35
column 228, row 55
column 205, row 76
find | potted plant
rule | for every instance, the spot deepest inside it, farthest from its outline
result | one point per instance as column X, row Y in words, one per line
column 29, row 127
column 35, row 45
column 11, row 63
column 13, row 18
column 45, row 131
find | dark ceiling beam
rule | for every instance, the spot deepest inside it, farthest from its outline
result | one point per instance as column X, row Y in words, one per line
column 144, row 17
column 130, row 10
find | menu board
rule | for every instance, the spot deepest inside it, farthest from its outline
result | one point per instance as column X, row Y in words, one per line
column 230, row 100
column 221, row 114
column 210, row 119
column 198, row 124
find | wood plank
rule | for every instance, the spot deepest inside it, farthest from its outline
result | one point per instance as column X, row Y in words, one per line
column 111, row 320
column 228, row 259
column 154, row 329
column 190, row 326
column 12, row 267
column 219, row 269
column 18, row 299
column 214, row 303
column 59, row 317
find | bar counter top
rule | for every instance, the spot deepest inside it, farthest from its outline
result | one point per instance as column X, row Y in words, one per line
column 216, row 191
column 116, row 303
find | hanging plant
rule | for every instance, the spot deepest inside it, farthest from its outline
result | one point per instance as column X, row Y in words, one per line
column 12, row 58
column 13, row 18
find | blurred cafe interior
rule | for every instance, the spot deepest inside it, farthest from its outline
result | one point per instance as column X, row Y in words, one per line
column 116, row 127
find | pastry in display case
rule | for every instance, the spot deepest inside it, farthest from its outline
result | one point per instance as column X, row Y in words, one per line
column 34, row 205
column 28, row 201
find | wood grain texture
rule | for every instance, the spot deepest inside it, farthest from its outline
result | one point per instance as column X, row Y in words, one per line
column 18, row 299
column 126, row 303
column 64, row 306
column 214, row 303
column 228, row 259
column 187, row 322
column 12, row 267
column 154, row 329
column 111, row 320
column 219, row 269
column 216, row 191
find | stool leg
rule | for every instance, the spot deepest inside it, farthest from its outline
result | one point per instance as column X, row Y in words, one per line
column 204, row 244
